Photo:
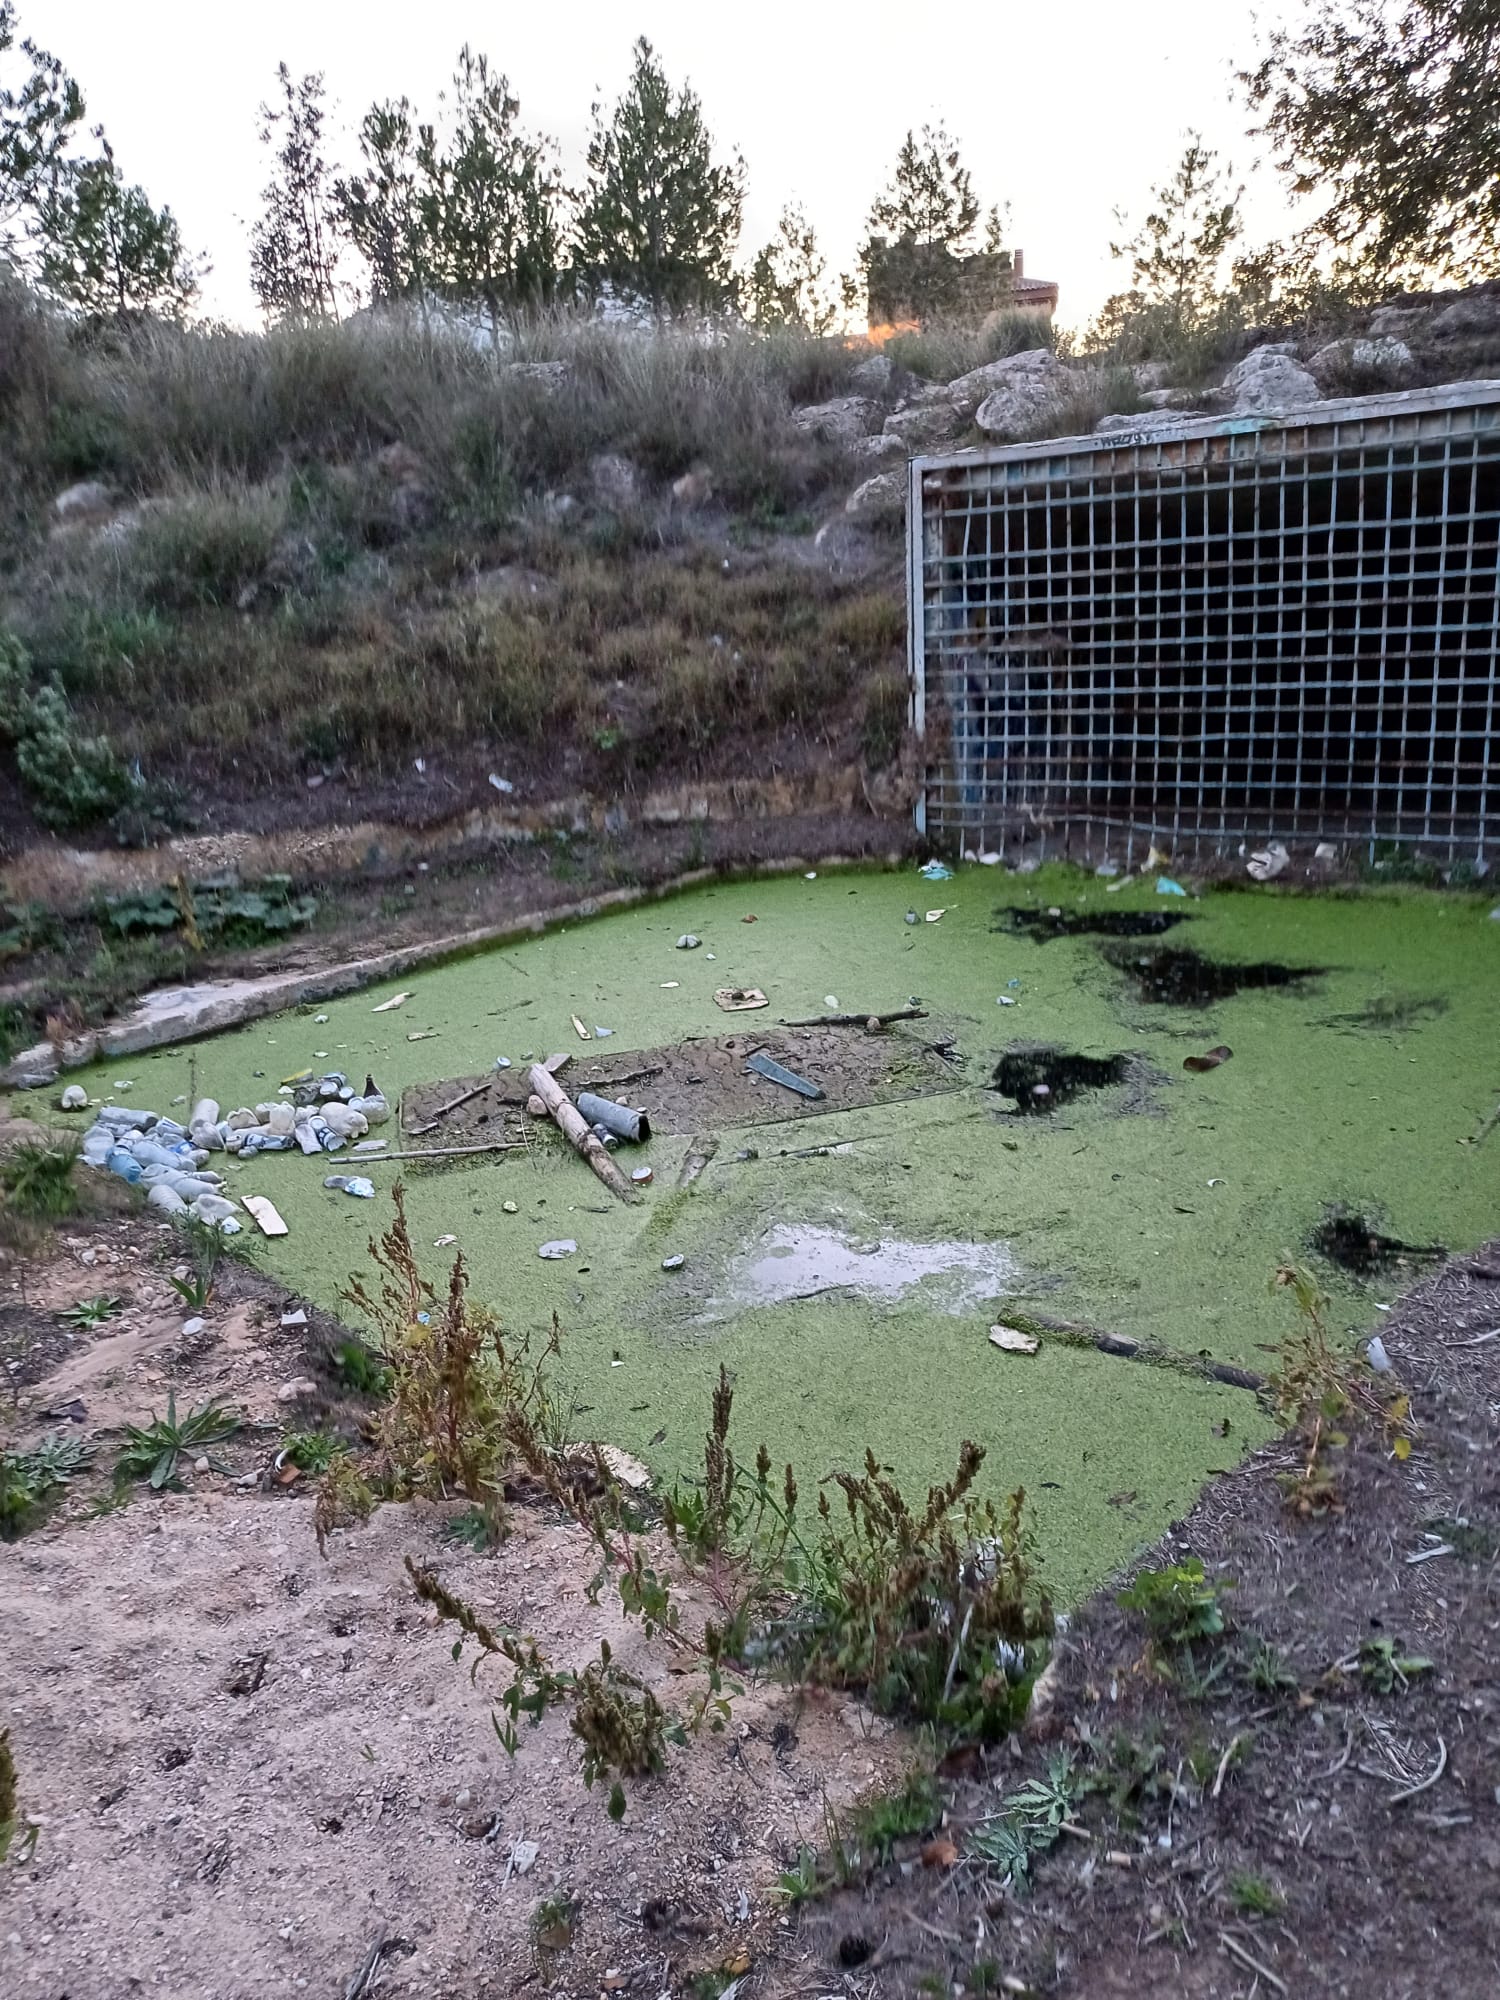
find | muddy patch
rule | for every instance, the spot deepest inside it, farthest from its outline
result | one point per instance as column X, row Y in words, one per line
column 1041, row 1080
column 1177, row 977
column 701, row 1084
column 1391, row 1013
column 1355, row 1245
column 1041, row 926
column 792, row 1261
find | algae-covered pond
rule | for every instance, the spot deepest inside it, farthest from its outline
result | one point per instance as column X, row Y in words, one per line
column 850, row 1289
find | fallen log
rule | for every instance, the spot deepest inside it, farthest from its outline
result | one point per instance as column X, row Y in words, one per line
column 574, row 1128
column 859, row 1020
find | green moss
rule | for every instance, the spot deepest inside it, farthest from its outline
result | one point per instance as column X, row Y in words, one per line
column 1163, row 1220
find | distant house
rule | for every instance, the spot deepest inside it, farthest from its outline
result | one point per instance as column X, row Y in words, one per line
column 913, row 284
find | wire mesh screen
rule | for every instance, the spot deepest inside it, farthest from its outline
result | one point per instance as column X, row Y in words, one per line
column 1241, row 629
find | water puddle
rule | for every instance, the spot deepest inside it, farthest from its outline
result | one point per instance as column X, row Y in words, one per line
column 1041, row 926
column 1176, row 977
column 1041, row 1079
column 805, row 1260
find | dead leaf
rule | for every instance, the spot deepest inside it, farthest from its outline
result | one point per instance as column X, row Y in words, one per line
column 1210, row 1061
column 939, row 1853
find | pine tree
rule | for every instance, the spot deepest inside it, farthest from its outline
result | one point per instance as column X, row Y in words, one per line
column 787, row 283
column 659, row 219
column 293, row 247
column 931, row 197
column 37, row 123
column 105, row 250
column 1177, row 254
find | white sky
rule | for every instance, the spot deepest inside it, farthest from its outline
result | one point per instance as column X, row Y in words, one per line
column 1065, row 111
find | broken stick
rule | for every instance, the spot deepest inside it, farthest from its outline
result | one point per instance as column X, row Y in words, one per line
column 416, row 1131
column 574, row 1128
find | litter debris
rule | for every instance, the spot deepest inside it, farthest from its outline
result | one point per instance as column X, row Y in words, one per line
column 749, row 920
column 1108, row 868
column 935, row 871
column 670, row 985
column 811, row 875
column 443, row 1242
column 936, row 916
column 351, row 1184
column 267, row 1220
column 424, row 1034
column 389, row 1006
column 1211, row 1061
column 1165, row 886
column 321, row 1019
column 642, row 1176
column 673, row 1263
column 687, row 942
column 1377, row 1357
column 580, row 1030
column 576, row 1129
column 1325, row 851
column 502, row 1062
column 1268, row 862
column 74, row 1098
column 1013, row 1340
column 740, row 999
column 370, row 1145
column 509, row 1207
column 618, row 1119
column 564, row 1246
column 603, row 1034
column 193, row 1326
column 774, row 1073
column 523, row 1856
column 291, row 1319
column 1005, row 1000
column 831, row 1000
column 1154, row 859
column 501, row 784
column 911, row 916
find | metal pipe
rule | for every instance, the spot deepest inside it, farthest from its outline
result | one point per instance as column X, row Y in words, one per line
column 616, row 1118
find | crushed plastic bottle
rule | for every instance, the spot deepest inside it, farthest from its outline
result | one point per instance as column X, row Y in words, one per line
column 351, row 1184
column 126, row 1165
column 935, row 871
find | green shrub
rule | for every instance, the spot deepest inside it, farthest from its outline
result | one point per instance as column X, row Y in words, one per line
column 205, row 550
column 72, row 779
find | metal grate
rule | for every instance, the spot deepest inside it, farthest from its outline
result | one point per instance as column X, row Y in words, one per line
column 1239, row 629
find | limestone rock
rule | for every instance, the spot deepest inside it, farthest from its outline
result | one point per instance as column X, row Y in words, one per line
column 1146, row 423
column 926, row 425
column 1400, row 321
column 89, row 500
column 838, row 421
column 1384, row 356
column 1030, row 385
column 1479, row 313
column 881, row 498
column 874, row 375
column 1152, row 374
column 1269, row 382
column 615, row 480
column 1036, row 365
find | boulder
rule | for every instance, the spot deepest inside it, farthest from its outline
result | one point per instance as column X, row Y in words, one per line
column 883, row 445
column 1400, row 322
column 616, row 482
column 838, row 421
column 89, row 500
column 874, row 375
column 1030, row 386
column 1384, row 355
column 1479, row 313
column 548, row 376
column 1269, row 382
column 924, row 425
column 1146, row 423
column 1038, row 364
column 882, row 498
column 694, row 488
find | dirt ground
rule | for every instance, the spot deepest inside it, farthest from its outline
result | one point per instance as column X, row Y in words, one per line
column 1367, row 1823
column 702, row 1084
column 252, row 1768
column 248, row 1763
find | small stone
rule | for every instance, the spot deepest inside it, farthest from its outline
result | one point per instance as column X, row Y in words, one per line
column 687, row 942
column 297, row 1318
column 300, row 1386
column 509, row 1207
column 201, row 1465
column 74, row 1098
column 193, row 1326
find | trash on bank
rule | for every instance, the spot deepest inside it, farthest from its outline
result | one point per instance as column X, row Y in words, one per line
column 352, row 1184
column 763, row 1065
column 935, row 871
column 673, row 1263
column 687, row 942
column 563, row 1247
column 267, row 1220
column 1165, row 886
column 1268, row 862
column 1013, row 1340
column 74, row 1098
column 740, row 999
column 616, row 1118
column 1211, row 1061
column 936, row 916
column 389, row 1006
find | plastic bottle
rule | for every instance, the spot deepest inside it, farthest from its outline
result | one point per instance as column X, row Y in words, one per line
column 126, row 1165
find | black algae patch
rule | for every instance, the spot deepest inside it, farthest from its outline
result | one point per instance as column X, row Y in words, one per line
column 1043, row 925
column 1041, row 1079
column 1176, row 977
column 1351, row 1243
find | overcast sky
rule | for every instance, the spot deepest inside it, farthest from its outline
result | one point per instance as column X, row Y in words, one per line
column 1065, row 110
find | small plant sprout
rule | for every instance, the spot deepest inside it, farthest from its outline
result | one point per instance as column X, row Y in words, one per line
column 1255, row 1896
column 1179, row 1604
column 153, row 1451
column 29, row 1479
column 1383, row 1664
column 91, row 1312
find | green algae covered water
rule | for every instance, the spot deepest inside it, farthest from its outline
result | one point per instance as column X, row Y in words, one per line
column 851, row 1294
